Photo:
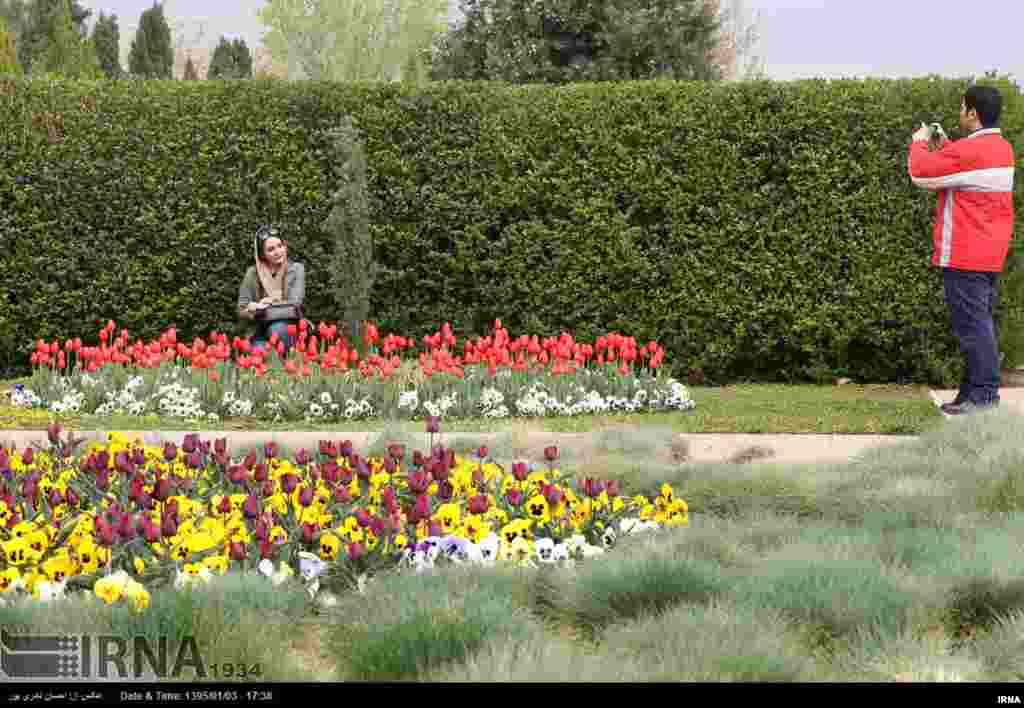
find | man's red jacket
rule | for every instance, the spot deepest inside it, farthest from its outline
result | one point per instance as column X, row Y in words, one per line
column 974, row 218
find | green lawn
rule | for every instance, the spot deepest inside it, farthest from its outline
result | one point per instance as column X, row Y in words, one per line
column 744, row 408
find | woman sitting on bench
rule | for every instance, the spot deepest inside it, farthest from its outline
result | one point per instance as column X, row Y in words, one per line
column 272, row 291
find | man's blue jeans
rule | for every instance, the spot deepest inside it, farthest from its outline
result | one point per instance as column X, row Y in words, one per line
column 262, row 339
column 971, row 296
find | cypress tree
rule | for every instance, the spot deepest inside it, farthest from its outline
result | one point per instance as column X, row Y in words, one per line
column 152, row 55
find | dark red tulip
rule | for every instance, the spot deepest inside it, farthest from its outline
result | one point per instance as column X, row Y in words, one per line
column 345, row 449
column 355, row 551
column 259, row 473
column 251, row 507
column 363, row 469
column 433, row 424
column 301, row 457
column 514, row 497
column 330, row 471
column 237, row 551
column 53, row 431
column 145, row 501
column 225, row 505
column 103, row 479
column 190, row 444
column 612, row 487
column 328, row 448
column 389, row 465
column 220, row 446
column 306, row 495
column 388, row 496
column 270, row 450
column 344, row 474
column 419, row 482
column 420, row 510
column 397, row 451
column 27, row 456
column 379, row 526
column 170, row 452
column 105, row 532
column 138, row 456
column 445, row 490
column 439, row 471
column 289, row 482
column 362, row 517
column 30, row 489
column 479, row 504
column 168, row 526
column 417, row 458
column 163, row 489
column 482, row 452
column 553, row 494
column 342, row 495
column 308, row 531
column 268, row 489
column 126, row 529
column 593, row 487
column 268, row 550
column 150, row 531
column 194, row 460
column 261, row 531
column 551, row 453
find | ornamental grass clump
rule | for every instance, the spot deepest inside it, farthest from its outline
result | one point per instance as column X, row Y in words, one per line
column 409, row 626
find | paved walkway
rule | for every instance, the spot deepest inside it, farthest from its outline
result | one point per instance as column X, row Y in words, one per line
column 788, row 448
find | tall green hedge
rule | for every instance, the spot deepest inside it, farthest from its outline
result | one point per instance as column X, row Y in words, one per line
column 761, row 229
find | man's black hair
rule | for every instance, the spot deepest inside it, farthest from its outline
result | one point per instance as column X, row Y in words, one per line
column 987, row 101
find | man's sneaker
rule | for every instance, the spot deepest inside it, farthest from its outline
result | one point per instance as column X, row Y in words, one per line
column 965, row 408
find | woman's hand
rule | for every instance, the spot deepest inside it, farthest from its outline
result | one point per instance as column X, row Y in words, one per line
column 256, row 306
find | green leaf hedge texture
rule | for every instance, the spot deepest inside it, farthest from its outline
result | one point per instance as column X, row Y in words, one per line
column 758, row 230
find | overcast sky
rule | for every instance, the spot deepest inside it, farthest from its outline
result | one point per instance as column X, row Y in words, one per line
column 801, row 38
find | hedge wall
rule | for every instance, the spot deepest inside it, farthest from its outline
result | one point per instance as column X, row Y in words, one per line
column 763, row 230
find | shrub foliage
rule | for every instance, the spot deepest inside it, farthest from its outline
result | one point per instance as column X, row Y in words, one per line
column 753, row 229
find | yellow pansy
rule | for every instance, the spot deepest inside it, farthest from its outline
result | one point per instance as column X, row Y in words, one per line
column 329, row 546
column 216, row 563
column 8, row 578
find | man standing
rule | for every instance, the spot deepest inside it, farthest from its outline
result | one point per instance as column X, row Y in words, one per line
column 972, row 233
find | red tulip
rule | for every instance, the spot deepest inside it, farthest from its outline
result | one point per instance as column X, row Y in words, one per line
column 53, row 431
column 237, row 551
column 433, row 424
column 225, row 505
column 342, row 495
column 306, row 495
column 259, row 473
column 362, row 517
column 268, row 489
column 237, row 474
column 396, row 451
column 27, row 456
column 150, row 530
column 355, row 551
column 482, row 452
column 267, row 550
column 551, row 453
column 289, row 482
column 479, row 504
column 220, row 446
column 330, row 471
column 126, row 529
column 163, row 489
column 170, row 452
column 520, row 471
column 514, row 497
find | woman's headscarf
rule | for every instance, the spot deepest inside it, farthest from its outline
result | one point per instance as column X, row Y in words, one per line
column 272, row 286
